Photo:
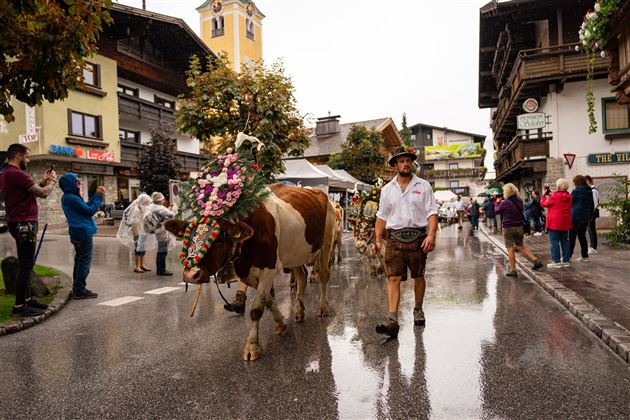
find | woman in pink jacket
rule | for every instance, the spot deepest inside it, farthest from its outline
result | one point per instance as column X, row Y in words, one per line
column 558, row 222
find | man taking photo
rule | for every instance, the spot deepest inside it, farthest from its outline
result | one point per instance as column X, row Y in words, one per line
column 20, row 193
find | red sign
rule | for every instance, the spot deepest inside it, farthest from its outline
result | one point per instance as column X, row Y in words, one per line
column 100, row 156
column 569, row 158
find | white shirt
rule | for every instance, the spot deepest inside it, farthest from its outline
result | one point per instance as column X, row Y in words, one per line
column 411, row 208
column 460, row 205
column 595, row 197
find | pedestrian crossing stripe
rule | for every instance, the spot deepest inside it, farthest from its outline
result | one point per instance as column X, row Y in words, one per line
column 161, row 290
column 121, row 301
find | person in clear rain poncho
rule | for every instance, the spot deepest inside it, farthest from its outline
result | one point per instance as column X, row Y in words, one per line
column 131, row 232
column 156, row 215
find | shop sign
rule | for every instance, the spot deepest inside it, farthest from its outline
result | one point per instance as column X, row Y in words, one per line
column 63, row 150
column 99, row 155
column 607, row 158
column 127, row 172
column 28, row 138
column 530, row 105
column 530, row 121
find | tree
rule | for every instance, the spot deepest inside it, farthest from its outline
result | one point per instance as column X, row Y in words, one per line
column 158, row 162
column 360, row 154
column 258, row 101
column 405, row 132
column 42, row 48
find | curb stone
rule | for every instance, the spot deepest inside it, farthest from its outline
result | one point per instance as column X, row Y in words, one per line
column 616, row 337
column 58, row 302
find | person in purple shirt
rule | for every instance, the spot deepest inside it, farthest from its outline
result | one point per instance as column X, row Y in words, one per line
column 20, row 192
column 512, row 220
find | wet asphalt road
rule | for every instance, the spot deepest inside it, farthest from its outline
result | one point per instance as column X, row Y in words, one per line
column 493, row 347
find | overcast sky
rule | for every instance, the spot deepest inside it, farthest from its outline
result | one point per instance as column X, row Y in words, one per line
column 372, row 59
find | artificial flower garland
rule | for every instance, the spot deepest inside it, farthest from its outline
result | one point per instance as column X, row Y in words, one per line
column 217, row 188
column 206, row 232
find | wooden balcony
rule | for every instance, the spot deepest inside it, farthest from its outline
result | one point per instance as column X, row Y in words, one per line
column 533, row 71
column 190, row 162
column 151, row 114
column 618, row 49
column 453, row 173
column 523, row 153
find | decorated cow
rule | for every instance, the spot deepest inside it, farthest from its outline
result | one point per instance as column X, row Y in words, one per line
column 363, row 228
column 285, row 228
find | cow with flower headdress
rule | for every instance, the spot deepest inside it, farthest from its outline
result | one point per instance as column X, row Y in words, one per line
column 259, row 229
column 363, row 228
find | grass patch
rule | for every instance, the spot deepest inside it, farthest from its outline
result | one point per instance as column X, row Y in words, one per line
column 7, row 301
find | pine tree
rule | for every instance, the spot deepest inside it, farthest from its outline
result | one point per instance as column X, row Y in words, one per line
column 405, row 132
column 158, row 162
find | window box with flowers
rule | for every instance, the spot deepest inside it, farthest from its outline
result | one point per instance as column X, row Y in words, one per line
column 593, row 39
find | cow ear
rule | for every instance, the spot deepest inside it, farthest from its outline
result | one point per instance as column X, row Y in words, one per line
column 239, row 231
column 176, row 227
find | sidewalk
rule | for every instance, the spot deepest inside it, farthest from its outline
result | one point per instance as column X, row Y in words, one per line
column 101, row 230
column 597, row 292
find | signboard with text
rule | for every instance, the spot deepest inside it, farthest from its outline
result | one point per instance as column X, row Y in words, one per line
column 531, row 121
column 607, row 158
column 453, row 151
column 28, row 138
column 99, row 155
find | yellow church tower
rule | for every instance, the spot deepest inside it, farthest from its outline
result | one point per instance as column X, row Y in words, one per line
column 233, row 27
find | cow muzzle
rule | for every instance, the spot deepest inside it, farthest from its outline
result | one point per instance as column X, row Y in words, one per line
column 196, row 275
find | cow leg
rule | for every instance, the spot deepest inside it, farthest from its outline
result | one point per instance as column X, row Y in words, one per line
column 280, row 326
column 252, row 348
column 339, row 251
column 324, row 276
column 300, row 276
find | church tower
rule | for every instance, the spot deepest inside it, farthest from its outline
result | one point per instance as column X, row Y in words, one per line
column 233, row 27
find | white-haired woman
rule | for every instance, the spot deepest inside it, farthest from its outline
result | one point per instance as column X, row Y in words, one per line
column 511, row 210
column 558, row 222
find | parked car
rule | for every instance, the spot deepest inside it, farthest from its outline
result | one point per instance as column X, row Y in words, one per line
column 447, row 213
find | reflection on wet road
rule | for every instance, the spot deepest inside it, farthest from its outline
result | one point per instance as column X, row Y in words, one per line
column 493, row 347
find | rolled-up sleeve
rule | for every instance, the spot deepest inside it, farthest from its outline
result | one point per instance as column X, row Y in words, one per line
column 430, row 206
column 384, row 208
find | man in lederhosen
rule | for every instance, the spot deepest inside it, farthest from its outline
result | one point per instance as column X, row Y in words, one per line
column 407, row 219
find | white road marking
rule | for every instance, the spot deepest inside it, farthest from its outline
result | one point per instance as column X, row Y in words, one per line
column 161, row 290
column 121, row 301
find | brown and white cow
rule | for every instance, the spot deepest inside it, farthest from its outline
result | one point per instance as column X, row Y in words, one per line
column 338, row 232
column 292, row 227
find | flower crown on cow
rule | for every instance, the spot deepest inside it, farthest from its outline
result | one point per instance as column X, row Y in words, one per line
column 225, row 188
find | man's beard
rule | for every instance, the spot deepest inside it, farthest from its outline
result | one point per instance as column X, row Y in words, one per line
column 404, row 173
column 23, row 165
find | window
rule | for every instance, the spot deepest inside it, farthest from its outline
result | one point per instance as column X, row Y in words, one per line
column 616, row 116
column 454, row 184
column 84, row 125
column 91, row 76
column 218, row 28
column 129, row 136
column 128, row 90
column 453, row 166
column 249, row 29
column 164, row 102
column 141, row 48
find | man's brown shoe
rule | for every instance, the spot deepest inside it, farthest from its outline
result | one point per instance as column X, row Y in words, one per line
column 238, row 304
column 389, row 327
column 418, row 317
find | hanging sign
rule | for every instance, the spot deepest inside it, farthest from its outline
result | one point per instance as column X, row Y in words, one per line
column 530, row 121
column 28, row 138
column 530, row 105
column 607, row 158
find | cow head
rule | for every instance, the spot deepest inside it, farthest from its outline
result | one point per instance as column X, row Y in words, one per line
column 219, row 253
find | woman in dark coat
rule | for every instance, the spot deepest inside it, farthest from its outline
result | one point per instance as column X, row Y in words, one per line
column 581, row 213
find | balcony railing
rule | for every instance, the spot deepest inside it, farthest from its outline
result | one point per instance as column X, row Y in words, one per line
column 533, row 70
column 521, row 151
column 453, row 173
column 152, row 113
column 189, row 162
column 250, row 35
column 218, row 32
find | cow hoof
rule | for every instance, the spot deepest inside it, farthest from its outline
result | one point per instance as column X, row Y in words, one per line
column 299, row 317
column 322, row 312
column 280, row 329
column 251, row 352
